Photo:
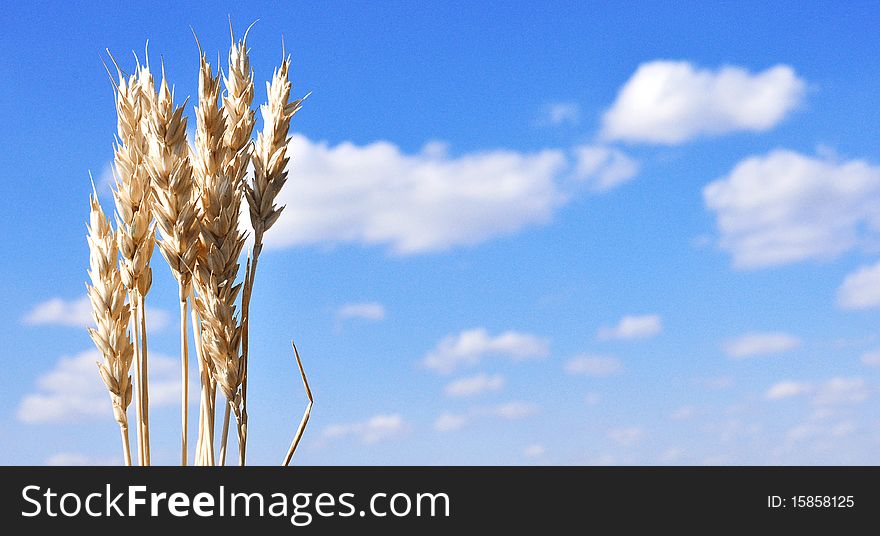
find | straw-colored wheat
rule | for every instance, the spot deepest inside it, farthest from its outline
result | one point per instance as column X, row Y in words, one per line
column 111, row 315
column 136, row 233
column 175, row 210
column 270, row 173
column 194, row 195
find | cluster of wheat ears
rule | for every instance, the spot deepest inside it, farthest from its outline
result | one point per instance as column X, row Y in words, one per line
column 193, row 196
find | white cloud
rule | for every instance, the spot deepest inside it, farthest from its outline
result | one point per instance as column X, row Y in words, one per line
column 367, row 311
column 471, row 346
column 670, row 102
column 860, row 289
column 626, row 436
column 373, row 430
column 593, row 365
column 787, row 389
column 834, row 392
column 513, row 411
column 78, row 313
column 448, row 422
column 510, row 411
column 413, row 203
column 752, row 344
column 534, row 451
column 561, row 113
column 684, row 413
column 632, row 327
column 785, row 207
column 842, row 391
column 73, row 390
column 474, row 385
column 872, row 358
column 603, row 168
column 815, row 430
column 71, row 458
column 592, row 399
column 671, row 455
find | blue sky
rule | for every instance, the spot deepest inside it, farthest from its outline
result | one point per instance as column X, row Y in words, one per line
column 558, row 233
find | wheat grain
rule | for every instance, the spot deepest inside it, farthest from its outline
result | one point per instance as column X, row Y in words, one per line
column 270, row 173
column 111, row 315
column 136, row 234
column 171, row 174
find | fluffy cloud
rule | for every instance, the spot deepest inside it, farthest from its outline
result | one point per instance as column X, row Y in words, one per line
column 510, row 411
column 626, row 436
column 377, row 195
column 73, row 390
column 78, row 313
column 834, row 392
column 603, row 168
column 373, row 430
column 632, row 327
column 684, row 413
column 860, row 289
column 752, row 344
column 471, row 346
column 534, row 451
column 447, row 422
column 785, row 207
column 561, row 113
column 872, row 358
column 474, row 385
column 367, row 311
column 842, row 391
column 593, row 365
column 670, row 102
column 787, row 389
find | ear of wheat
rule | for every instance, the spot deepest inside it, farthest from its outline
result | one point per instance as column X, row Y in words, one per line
column 270, row 173
column 136, row 236
column 111, row 314
column 194, row 196
column 175, row 210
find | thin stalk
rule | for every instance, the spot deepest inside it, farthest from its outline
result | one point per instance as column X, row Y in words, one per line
column 184, row 364
column 139, row 377
column 225, row 434
column 305, row 418
column 204, row 447
column 250, row 272
column 126, row 446
column 145, row 372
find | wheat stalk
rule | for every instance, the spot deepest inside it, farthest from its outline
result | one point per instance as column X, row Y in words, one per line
column 107, row 295
column 270, row 173
column 136, row 236
column 306, row 414
column 195, row 195
column 175, row 211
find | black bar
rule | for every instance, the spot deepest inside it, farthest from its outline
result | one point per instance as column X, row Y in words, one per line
column 511, row 500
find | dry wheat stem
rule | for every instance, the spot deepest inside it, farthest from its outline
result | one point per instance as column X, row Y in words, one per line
column 135, row 236
column 306, row 414
column 111, row 315
column 270, row 173
column 175, row 210
column 195, row 195
column 222, row 153
column 139, row 404
column 224, row 435
column 141, row 314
